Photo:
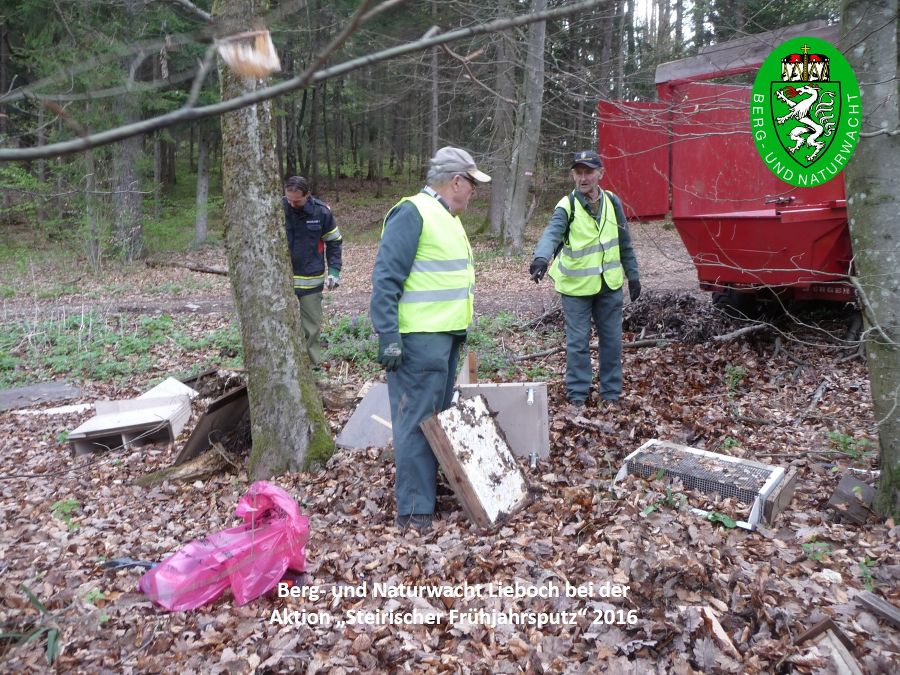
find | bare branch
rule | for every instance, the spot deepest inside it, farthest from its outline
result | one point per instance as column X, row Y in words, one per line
column 464, row 60
column 740, row 331
column 199, row 13
column 867, row 311
column 880, row 132
column 293, row 84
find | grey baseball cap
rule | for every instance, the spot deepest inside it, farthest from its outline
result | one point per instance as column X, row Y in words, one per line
column 457, row 160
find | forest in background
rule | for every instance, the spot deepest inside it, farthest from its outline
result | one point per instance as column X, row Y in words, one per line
column 71, row 68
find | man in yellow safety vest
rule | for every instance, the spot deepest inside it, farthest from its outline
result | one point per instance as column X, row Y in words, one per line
column 422, row 303
column 588, row 237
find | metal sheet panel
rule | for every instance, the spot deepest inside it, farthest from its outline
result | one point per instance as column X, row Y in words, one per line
column 521, row 409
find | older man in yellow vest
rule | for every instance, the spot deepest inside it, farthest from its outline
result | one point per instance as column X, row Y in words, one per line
column 588, row 235
column 422, row 303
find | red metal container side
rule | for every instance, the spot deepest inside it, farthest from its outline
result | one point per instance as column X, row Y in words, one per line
column 634, row 145
column 692, row 154
column 715, row 165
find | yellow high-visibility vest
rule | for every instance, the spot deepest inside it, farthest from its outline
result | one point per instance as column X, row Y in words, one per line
column 591, row 256
column 439, row 293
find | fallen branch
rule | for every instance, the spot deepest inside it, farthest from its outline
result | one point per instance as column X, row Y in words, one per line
column 550, row 313
column 193, row 268
column 740, row 331
column 594, row 346
column 814, row 399
column 779, row 349
column 210, row 463
column 858, row 353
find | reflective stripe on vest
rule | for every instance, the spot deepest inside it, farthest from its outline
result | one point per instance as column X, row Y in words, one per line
column 591, row 256
column 439, row 293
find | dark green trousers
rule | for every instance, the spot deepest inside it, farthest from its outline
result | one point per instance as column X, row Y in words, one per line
column 311, row 324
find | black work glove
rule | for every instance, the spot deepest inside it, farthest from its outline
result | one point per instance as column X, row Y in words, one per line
column 538, row 269
column 634, row 289
column 390, row 351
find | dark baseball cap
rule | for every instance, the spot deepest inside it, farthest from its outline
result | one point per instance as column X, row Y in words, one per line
column 587, row 157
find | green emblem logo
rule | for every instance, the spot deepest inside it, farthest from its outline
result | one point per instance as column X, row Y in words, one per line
column 805, row 112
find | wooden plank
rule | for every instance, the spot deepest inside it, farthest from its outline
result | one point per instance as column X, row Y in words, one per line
column 170, row 387
column 839, row 646
column 220, row 417
column 477, row 461
column 122, row 423
column 468, row 374
column 742, row 55
column 453, row 470
column 780, row 497
column 852, row 499
column 880, row 606
column 23, row 397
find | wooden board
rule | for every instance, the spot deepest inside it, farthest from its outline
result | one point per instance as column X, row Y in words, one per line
column 851, row 500
column 220, row 417
column 780, row 498
column 880, row 606
column 132, row 422
column 840, row 648
column 477, row 461
column 23, row 397
column 468, row 374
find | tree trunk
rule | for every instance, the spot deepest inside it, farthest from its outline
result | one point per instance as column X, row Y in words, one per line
column 873, row 207
column 287, row 424
column 325, row 133
column 502, row 132
column 679, row 28
column 128, row 197
column 200, row 225
column 91, row 211
column 435, row 100
column 620, row 48
column 528, row 129
column 313, row 130
column 157, row 175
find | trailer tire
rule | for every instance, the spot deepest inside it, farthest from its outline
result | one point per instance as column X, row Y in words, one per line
column 735, row 304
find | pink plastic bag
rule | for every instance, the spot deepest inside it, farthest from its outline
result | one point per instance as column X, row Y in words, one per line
column 251, row 558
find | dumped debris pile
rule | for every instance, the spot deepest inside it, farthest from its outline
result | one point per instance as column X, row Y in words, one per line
column 678, row 316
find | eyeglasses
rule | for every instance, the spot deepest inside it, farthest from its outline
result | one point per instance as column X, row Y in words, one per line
column 469, row 179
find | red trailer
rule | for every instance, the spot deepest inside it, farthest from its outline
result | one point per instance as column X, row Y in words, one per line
column 691, row 154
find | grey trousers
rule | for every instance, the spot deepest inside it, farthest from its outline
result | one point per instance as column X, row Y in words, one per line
column 420, row 387
column 605, row 308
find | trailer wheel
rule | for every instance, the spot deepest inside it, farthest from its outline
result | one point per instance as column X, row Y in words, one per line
column 736, row 304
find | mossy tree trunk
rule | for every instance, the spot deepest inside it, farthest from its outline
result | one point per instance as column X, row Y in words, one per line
column 287, row 421
column 869, row 33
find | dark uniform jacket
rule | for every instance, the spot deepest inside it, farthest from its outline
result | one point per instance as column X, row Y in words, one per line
column 313, row 237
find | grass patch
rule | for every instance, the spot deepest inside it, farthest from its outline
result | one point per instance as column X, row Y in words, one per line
column 354, row 340
column 110, row 349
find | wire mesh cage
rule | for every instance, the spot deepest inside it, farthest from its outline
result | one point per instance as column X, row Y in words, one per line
column 707, row 472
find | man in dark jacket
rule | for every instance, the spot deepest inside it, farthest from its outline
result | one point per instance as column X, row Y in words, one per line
column 312, row 237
